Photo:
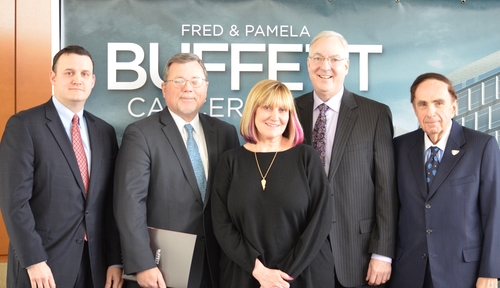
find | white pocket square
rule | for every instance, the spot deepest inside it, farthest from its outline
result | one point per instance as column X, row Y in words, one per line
column 454, row 152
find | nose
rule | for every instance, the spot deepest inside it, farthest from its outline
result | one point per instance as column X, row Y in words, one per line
column 187, row 86
column 431, row 111
column 275, row 114
column 77, row 79
column 326, row 64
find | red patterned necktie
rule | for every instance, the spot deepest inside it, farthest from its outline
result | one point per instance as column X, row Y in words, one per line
column 319, row 133
column 76, row 140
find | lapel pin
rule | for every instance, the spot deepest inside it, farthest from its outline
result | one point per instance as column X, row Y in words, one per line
column 454, row 152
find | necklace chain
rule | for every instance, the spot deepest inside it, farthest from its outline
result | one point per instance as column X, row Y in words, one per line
column 263, row 181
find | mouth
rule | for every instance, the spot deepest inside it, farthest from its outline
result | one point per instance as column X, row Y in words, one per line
column 432, row 123
column 325, row 76
column 273, row 125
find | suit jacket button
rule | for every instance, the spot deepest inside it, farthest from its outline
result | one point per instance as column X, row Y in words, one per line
column 428, row 206
column 428, row 231
column 424, row 256
column 79, row 241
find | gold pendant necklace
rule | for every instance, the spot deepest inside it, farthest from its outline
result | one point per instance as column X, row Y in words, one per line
column 263, row 181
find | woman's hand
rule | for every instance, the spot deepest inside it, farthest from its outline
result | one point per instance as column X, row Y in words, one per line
column 270, row 278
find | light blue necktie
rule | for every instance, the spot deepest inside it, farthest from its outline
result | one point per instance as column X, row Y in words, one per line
column 194, row 155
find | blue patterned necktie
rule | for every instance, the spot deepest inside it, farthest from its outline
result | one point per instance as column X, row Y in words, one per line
column 319, row 133
column 194, row 155
column 431, row 165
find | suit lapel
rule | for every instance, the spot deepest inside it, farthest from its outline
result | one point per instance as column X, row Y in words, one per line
column 448, row 162
column 416, row 157
column 305, row 110
column 96, row 148
column 347, row 119
column 57, row 129
column 179, row 147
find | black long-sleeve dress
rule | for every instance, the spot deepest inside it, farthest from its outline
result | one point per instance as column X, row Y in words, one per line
column 286, row 225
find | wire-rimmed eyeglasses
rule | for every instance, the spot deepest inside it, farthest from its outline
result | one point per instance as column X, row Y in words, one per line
column 318, row 60
column 180, row 82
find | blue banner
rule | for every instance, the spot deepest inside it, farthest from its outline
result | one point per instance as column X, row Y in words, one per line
column 242, row 42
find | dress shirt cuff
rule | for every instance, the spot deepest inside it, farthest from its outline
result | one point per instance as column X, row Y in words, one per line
column 381, row 258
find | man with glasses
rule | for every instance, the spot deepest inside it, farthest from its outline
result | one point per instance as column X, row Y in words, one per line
column 164, row 174
column 353, row 136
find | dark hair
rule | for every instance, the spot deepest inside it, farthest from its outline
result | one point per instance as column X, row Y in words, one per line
column 183, row 58
column 435, row 76
column 72, row 49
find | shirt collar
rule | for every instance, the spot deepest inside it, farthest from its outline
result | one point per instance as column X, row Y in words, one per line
column 333, row 103
column 442, row 142
column 65, row 113
column 181, row 122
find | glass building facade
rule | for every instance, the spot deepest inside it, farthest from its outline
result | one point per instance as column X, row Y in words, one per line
column 478, row 90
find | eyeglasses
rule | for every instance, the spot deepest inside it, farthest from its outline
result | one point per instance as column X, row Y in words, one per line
column 180, row 82
column 318, row 60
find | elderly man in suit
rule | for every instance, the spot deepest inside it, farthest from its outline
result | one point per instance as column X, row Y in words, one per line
column 449, row 190
column 157, row 180
column 56, row 183
column 353, row 136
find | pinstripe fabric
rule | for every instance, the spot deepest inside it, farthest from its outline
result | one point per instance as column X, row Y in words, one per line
column 362, row 178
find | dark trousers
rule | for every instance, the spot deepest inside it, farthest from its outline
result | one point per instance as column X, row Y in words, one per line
column 84, row 278
column 428, row 277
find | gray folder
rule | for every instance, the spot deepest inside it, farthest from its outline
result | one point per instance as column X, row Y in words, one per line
column 173, row 252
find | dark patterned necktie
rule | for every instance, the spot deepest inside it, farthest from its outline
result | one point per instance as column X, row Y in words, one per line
column 194, row 155
column 431, row 165
column 319, row 133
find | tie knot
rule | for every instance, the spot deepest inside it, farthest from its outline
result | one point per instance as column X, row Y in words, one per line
column 322, row 108
column 75, row 120
column 434, row 153
column 434, row 150
column 189, row 128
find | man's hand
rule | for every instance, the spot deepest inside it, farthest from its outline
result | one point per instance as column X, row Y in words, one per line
column 487, row 282
column 114, row 277
column 270, row 278
column 41, row 276
column 151, row 278
column 379, row 272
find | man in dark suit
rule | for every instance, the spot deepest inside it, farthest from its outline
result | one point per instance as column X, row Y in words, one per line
column 156, row 182
column 58, row 214
column 354, row 138
column 449, row 217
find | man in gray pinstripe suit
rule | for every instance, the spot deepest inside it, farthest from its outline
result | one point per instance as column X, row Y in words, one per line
column 359, row 162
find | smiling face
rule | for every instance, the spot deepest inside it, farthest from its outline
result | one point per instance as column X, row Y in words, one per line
column 270, row 122
column 73, row 80
column 434, row 108
column 327, row 77
column 185, row 101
